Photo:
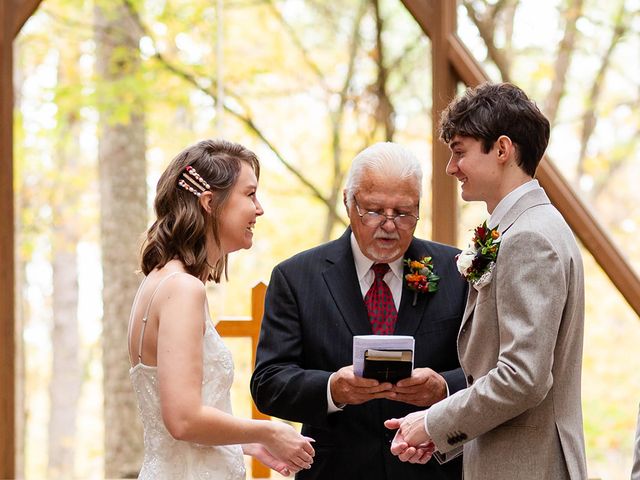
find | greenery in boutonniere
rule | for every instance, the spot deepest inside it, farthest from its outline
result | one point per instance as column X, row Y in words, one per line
column 421, row 277
column 476, row 262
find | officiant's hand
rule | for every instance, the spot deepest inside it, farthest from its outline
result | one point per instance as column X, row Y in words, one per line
column 421, row 453
column 348, row 389
column 423, row 388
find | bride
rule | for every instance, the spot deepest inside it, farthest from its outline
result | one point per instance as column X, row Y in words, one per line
column 181, row 371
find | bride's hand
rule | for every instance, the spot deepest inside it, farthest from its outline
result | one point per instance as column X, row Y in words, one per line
column 287, row 445
column 259, row 451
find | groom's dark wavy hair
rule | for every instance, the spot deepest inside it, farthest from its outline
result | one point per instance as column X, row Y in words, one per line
column 490, row 110
column 182, row 225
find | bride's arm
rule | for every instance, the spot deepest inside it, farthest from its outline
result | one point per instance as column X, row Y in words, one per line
column 180, row 307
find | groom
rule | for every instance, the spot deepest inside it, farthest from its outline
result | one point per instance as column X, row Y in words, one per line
column 319, row 299
column 520, row 343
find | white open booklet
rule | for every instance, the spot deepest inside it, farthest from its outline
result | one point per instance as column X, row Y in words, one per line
column 384, row 347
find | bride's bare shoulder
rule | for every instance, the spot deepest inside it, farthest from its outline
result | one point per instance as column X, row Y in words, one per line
column 177, row 286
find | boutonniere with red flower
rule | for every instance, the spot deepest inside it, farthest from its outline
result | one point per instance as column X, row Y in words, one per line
column 476, row 262
column 421, row 277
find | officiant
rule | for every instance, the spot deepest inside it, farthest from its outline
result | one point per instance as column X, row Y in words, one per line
column 377, row 278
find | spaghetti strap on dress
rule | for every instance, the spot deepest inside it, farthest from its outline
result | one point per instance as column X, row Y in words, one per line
column 164, row 456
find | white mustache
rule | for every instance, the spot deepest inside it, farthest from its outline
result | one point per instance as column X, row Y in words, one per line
column 386, row 235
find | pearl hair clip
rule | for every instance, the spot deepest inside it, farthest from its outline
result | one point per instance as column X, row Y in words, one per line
column 193, row 179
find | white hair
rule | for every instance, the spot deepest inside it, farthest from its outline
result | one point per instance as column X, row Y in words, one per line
column 386, row 158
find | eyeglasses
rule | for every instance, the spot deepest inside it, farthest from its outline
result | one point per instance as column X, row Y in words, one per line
column 402, row 221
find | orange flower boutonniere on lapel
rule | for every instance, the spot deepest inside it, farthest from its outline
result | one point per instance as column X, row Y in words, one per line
column 421, row 277
column 476, row 262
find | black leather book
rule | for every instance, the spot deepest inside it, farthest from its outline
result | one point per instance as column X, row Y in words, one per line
column 387, row 365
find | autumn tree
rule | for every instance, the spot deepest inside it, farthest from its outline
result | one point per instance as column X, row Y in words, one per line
column 68, row 177
column 357, row 109
column 123, row 194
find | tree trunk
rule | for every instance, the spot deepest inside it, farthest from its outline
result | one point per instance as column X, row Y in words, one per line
column 487, row 23
column 337, row 120
column 121, row 158
column 564, row 56
column 64, row 387
column 589, row 118
column 385, row 111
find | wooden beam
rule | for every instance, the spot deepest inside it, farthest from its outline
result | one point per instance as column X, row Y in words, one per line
column 7, row 299
column 468, row 70
column 575, row 212
column 424, row 13
column 23, row 9
column 591, row 233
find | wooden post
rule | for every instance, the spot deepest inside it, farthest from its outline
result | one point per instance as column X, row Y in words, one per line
column 7, row 274
column 13, row 15
column 249, row 327
column 437, row 18
column 444, row 190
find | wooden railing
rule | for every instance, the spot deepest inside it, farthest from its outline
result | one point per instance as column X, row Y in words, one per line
column 249, row 327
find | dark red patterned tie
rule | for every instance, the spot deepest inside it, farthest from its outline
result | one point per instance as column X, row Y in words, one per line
column 379, row 302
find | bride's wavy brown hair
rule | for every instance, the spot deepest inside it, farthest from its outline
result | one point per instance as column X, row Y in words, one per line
column 180, row 230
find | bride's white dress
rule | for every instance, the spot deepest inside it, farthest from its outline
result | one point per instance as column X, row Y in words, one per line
column 168, row 458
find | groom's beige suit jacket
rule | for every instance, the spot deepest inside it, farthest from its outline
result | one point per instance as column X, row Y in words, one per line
column 520, row 345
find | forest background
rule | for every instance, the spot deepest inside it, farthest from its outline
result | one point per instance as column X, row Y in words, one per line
column 108, row 91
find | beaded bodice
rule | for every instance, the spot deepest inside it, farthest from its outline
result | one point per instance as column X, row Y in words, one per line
column 168, row 458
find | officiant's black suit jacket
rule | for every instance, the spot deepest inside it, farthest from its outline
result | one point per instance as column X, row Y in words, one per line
column 313, row 309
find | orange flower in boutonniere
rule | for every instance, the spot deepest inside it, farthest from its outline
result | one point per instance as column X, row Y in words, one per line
column 476, row 262
column 421, row 277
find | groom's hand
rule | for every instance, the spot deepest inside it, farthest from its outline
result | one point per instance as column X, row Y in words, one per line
column 399, row 447
column 348, row 389
column 423, row 388
column 413, row 429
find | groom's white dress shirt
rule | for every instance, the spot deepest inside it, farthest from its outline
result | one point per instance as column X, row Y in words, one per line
column 509, row 201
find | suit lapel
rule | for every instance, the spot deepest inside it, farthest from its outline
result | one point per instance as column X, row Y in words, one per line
column 527, row 201
column 410, row 315
column 472, row 296
column 340, row 278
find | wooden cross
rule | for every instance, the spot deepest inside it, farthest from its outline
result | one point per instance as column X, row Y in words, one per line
column 249, row 327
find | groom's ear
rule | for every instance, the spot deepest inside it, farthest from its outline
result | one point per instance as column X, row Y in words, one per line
column 505, row 148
